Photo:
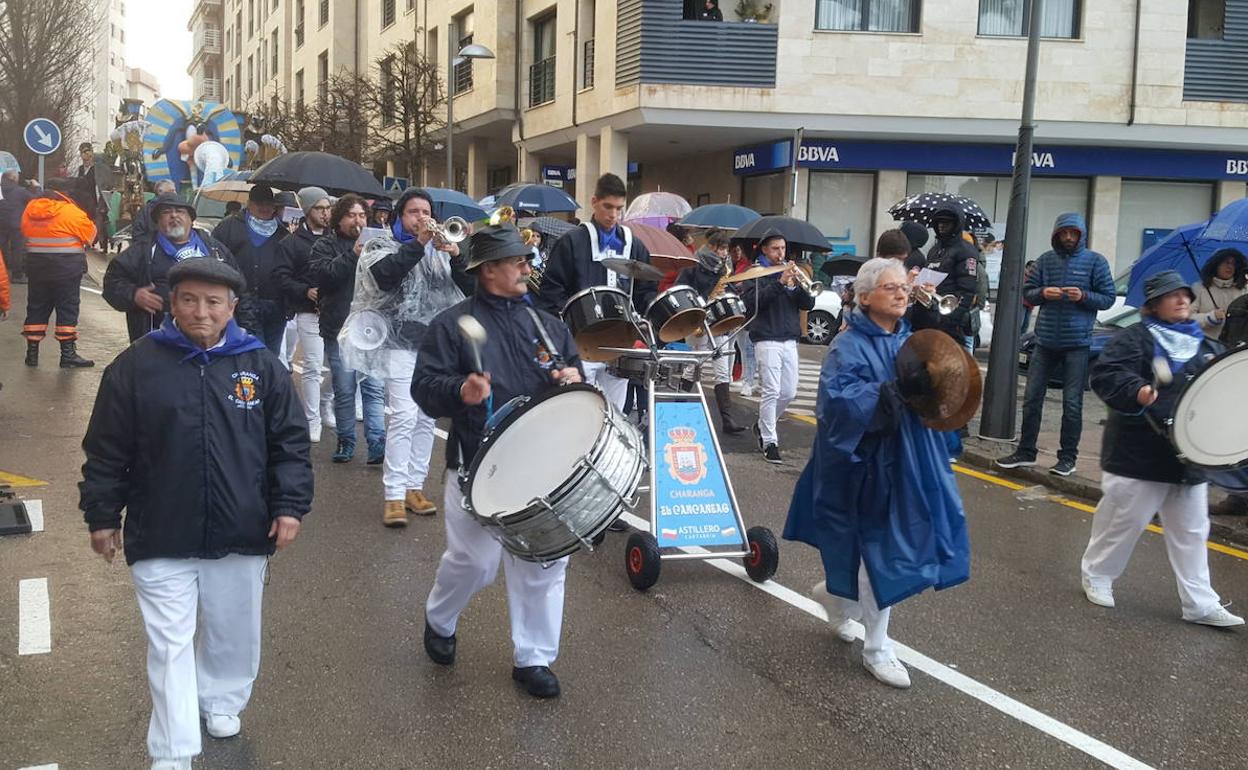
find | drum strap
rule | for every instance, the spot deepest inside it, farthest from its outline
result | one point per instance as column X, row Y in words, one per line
column 555, row 355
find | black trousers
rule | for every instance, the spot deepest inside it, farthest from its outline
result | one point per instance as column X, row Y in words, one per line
column 14, row 250
column 44, row 296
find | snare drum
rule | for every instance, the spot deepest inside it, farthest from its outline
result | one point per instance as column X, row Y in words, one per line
column 600, row 317
column 1210, row 428
column 676, row 313
column 554, row 473
column 726, row 314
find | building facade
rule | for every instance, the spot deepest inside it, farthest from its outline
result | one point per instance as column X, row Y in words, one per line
column 142, row 85
column 109, row 75
column 207, row 65
column 1143, row 120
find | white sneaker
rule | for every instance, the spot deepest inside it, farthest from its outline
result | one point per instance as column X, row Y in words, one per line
column 1101, row 596
column 172, row 764
column 747, row 390
column 222, row 725
column 890, row 672
column 314, row 433
column 1219, row 618
column 836, row 613
column 329, row 420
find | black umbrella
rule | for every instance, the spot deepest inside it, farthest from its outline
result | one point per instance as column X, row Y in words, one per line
column 922, row 206
column 798, row 234
column 843, row 264
column 551, row 229
column 335, row 175
column 538, row 198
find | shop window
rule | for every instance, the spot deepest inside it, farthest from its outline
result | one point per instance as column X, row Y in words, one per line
column 868, row 15
column 1011, row 18
column 840, row 205
column 1206, row 19
column 766, row 193
column 1148, row 211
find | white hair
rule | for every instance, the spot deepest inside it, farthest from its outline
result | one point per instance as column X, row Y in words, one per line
column 163, row 185
column 869, row 274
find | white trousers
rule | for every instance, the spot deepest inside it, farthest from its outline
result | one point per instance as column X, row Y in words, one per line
column 1126, row 507
column 409, row 431
column 290, row 336
column 721, row 366
column 198, row 668
column 876, row 646
column 777, row 369
column 470, row 563
column 317, row 400
column 614, row 388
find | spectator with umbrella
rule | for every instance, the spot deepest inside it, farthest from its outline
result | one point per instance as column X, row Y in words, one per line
column 1223, row 280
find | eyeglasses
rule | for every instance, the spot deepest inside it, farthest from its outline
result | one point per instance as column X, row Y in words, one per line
column 893, row 288
column 321, row 208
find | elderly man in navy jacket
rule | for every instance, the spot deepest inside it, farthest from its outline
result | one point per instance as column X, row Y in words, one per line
column 197, row 434
column 1069, row 285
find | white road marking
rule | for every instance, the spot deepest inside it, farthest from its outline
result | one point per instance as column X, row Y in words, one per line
column 1063, row 732
column 34, row 624
column 34, row 511
column 41, row 767
column 93, row 291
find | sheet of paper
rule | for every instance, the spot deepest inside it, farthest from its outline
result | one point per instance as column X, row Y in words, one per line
column 927, row 275
column 369, row 233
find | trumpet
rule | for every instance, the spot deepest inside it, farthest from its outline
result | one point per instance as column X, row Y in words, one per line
column 806, row 283
column 945, row 303
column 453, row 230
column 503, row 215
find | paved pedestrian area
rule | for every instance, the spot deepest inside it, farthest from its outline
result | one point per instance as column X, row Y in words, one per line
column 1013, row 669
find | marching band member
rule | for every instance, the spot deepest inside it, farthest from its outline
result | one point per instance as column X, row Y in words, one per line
column 446, row 384
column 574, row 265
column 705, row 278
column 878, row 498
column 1142, row 475
column 775, row 302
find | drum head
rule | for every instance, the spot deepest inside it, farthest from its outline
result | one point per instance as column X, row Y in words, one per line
column 1210, row 421
column 535, row 450
column 682, row 324
column 728, row 325
column 607, row 334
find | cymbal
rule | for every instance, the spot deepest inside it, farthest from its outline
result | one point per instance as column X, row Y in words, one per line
column 671, row 264
column 633, row 268
column 758, row 271
column 956, row 382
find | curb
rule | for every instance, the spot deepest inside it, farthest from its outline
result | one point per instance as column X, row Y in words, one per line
column 1090, row 492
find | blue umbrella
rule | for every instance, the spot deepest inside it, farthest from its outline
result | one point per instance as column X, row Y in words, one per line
column 453, row 203
column 1230, row 224
column 1185, row 249
column 538, row 198
column 725, row 216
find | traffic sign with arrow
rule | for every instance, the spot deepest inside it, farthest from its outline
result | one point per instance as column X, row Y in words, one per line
column 43, row 137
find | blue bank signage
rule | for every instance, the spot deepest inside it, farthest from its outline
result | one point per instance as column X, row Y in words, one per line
column 949, row 158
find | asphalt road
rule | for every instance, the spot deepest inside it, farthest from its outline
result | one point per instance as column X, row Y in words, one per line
column 1013, row 669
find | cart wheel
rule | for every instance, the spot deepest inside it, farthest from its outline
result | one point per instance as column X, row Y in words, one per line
column 642, row 560
column 764, row 556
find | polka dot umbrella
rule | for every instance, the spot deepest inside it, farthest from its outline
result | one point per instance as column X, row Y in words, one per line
column 922, row 207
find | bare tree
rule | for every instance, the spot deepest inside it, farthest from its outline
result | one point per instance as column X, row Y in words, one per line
column 340, row 119
column 402, row 102
column 45, row 67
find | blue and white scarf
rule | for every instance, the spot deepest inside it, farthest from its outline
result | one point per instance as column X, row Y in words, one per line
column 194, row 247
column 259, row 230
column 1178, row 343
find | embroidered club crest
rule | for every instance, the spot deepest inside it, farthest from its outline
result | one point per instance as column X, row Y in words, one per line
column 686, row 460
column 246, row 393
column 245, row 389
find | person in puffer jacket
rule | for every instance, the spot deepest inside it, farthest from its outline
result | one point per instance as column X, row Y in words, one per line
column 1068, row 285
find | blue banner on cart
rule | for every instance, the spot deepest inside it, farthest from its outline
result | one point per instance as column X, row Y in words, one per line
column 692, row 504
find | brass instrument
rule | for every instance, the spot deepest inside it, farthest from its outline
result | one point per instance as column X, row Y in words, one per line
column 453, row 230
column 806, row 283
column 503, row 215
column 945, row 303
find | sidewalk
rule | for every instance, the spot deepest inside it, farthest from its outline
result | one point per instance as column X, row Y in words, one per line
column 1085, row 483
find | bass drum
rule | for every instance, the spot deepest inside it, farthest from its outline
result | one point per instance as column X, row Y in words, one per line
column 600, row 317
column 554, row 472
column 1210, row 426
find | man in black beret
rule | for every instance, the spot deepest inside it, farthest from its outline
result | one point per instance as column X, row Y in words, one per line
column 253, row 236
column 518, row 360
column 197, row 434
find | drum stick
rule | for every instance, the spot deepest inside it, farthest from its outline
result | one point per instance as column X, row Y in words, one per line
column 1162, row 376
column 474, row 334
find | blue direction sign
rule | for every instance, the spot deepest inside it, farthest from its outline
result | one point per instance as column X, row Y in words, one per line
column 42, row 136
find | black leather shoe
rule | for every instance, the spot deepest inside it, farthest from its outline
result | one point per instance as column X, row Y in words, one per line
column 538, row 681
column 441, row 649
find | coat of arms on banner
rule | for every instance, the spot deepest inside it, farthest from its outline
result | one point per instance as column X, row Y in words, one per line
column 686, row 460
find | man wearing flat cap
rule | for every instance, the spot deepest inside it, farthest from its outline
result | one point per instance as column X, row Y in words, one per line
column 517, row 361
column 253, row 236
column 197, row 434
column 136, row 282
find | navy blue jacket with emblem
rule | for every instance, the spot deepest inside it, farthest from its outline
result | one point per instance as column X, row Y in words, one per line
column 775, row 309
column 1063, row 324
column 513, row 355
column 203, row 449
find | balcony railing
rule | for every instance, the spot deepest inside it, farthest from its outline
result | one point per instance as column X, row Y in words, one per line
column 542, row 82
column 299, row 35
column 463, row 76
column 587, row 65
column 207, row 40
column 211, row 90
column 681, row 51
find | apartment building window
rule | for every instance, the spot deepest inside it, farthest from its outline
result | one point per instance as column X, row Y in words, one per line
column 238, row 31
column 262, row 64
column 868, row 15
column 387, row 13
column 542, row 70
column 299, row 23
column 229, row 35
column 273, row 55
column 324, row 12
column 1206, row 19
column 238, row 84
column 387, row 91
column 251, row 76
column 299, row 92
column 322, row 76
column 588, row 11
column 1010, row 18
column 251, row 19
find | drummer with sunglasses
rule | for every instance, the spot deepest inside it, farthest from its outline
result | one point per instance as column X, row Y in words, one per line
column 1142, row 474
column 517, row 361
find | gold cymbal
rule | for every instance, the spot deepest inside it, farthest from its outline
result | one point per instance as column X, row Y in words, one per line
column 956, row 382
column 758, row 271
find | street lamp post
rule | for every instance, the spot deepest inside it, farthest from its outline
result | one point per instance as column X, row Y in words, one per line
column 469, row 52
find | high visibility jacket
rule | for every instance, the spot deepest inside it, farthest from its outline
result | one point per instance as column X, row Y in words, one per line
column 57, row 235
column 4, row 286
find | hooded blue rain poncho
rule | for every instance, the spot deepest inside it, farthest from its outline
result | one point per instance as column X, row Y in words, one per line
column 878, row 487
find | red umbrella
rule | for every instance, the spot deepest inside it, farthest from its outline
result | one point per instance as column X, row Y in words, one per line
column 666, row 251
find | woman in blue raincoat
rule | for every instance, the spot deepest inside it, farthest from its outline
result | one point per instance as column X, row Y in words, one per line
column 878, row 497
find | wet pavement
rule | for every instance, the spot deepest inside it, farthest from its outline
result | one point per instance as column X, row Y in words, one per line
column 1013, row 669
